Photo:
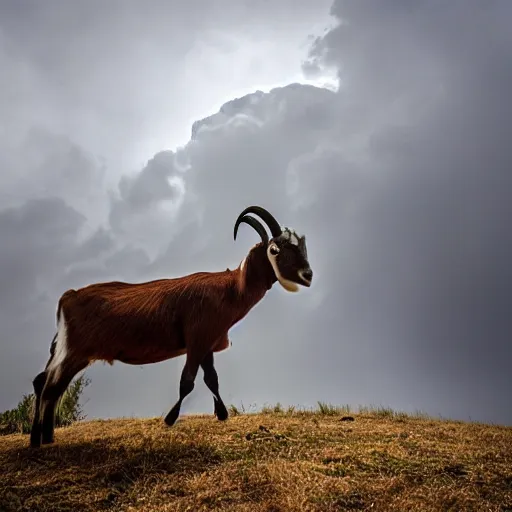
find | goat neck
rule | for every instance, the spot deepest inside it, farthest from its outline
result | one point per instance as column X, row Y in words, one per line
column 256, row 273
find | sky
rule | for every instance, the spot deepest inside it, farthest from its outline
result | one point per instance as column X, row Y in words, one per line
column 133, row 134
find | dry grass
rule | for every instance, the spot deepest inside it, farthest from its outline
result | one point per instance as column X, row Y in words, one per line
column 277, row 461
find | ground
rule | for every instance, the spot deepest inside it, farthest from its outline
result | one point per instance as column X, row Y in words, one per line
column 273, row 462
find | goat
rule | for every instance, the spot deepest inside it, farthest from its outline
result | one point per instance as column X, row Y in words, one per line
column 149, row 322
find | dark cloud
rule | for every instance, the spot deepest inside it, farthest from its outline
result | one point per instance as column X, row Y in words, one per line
column 38, row 239
column 43, row 227
column 426, row 289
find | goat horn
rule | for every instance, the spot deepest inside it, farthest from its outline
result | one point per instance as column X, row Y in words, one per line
column 272, row 223
column 255, row 223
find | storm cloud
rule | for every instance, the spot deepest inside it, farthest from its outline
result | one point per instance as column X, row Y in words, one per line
column 400, row 180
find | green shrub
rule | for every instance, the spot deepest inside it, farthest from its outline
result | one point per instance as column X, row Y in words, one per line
column 69, row 410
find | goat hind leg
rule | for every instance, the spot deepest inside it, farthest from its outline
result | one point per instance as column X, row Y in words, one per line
column 38, row 384
column 211, row 379
column 188, row 376
column 55, row 387
column 52, row 392
column 36, row 430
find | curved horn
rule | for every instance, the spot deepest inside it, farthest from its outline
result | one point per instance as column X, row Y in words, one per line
column 272, row 223
column 255, row 223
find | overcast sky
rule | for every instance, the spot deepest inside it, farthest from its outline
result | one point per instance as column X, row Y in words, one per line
column 133, row 133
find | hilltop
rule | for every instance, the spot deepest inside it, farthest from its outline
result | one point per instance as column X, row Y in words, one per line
column 275, row 461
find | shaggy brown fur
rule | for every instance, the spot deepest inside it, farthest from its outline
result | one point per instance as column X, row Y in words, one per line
column 158, row 320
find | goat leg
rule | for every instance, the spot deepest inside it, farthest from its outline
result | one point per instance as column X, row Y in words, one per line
column 211, row 379
column 188, row 376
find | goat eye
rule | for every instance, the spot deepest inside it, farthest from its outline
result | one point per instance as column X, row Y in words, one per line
column 274, row 250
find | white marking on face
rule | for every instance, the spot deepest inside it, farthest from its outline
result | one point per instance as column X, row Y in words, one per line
column 288, row 285
column 61, row 348
column 291, row 235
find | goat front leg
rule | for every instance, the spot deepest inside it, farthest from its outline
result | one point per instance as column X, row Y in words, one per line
column 211, row 379
column 188, row 376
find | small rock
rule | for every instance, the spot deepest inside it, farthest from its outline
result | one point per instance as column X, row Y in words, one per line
column 347, row 418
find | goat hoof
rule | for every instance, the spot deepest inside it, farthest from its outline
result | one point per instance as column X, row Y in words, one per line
column 221, row 412
column 35, row 439
column 171, row 418
column 48, row 440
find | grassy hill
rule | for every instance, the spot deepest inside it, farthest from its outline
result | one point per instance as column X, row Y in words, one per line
column 275, row 461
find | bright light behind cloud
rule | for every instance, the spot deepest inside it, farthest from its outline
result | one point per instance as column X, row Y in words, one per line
column 223, row 66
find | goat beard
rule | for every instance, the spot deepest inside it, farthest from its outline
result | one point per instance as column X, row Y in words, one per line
column 289, row 286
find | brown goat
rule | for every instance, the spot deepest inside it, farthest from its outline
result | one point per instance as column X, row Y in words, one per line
column 158, row 320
